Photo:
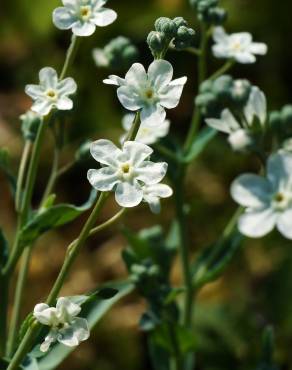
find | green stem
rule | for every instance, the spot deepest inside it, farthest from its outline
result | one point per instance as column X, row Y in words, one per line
column 53, row 176
column 107, row 223
column 70, row 55
column 167, row 153
column 175, row 360
column 134, row 128
column 21, row 173
column 3, row 313
column 18, row 301
column 27, row 195
column 225, row 68
column 202, row 72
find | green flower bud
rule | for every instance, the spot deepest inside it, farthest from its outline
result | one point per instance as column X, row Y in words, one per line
column 119, row 53
column 205, row 5
column 240, row 91
column 286, row 115
column 179, row 21
column 83, row 153
column 216, row 16
column 166, row 26
column 184, row 37
column 205, row 100
column 206, row 87
column 156, row 42
column 222, row 87
column 30, row 124
column 275, row 120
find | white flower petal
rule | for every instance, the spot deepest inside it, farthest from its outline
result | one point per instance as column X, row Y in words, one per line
column 105, row 152
column 67, row 86
column 159, row 190
column 42, row 107
column 127, row 121
column 170, row 95
column 279, row 169
column 244, row 57
column 152, row 114
column 251, row 190
column 128, row 194
column 114, row 80
column 48, row 78
column 44, row 314
column 62, row 18
column 67, row 308
column 136, row 76
column 160, row 73
column 34, row 91
column 103, row 17
column 284, row 223
column 256, row 106
column 103, row 179
column 129, row 98
column 258, row 48
column 256, row 224
column 83, row 28
column 219, row 35
column 49, row 339
column 64, row 103
column 227, row 123
column 150, row 172
column 136, row 152
column 154, row 203
column 81, row 329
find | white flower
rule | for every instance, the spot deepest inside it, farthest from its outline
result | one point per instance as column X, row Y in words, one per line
column 66, row 327
column 147, row 133
column 51, row 93
column 237, row 46
column 83, row 16
column 125, row 170
column 239, row 135
column 149, row 92
column 153, row 193
column 268, row 201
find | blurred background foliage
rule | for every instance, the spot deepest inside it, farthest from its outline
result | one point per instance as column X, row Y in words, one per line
column 231, row 313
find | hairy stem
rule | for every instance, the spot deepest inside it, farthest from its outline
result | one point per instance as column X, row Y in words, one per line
column 21, row 173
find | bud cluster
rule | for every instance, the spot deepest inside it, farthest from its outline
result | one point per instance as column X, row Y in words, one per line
column 169, row 30
column 215, row 95
column 281, row 122
column 118, row 54
column 209, row 11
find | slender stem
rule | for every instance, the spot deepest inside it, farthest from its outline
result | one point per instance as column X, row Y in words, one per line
column 134, row 128
column 17, row 250
column 175, row 360
column 18, row 301
column 21, row 173
column 167, row 153
column 67, row 167
column 225, row 68
column 53, row 176
column 194, row 51
column 70, row 55
column 202, row 72
column 3, row 313
column 107, row 223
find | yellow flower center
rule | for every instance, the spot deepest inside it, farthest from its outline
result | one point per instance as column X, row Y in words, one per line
column 126, row 168
column 52, row 94
column 149, row 93
column 85, row 12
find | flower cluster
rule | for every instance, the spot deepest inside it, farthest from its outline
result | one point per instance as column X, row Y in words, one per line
column 149, row 92
column 129, row 173
column 209, row 12
column 237, row 46
column 82, row 16
column 65, row 326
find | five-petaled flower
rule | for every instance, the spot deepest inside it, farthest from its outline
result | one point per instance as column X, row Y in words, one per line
column 147, row 133
column 237, row 46
column 124, row 170
column 83, row 16
column 149, row 92
column 65, row 326
column 240, row 133
column 268, row 201
column 51, row 93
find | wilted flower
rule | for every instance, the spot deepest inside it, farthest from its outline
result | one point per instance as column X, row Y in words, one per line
column 125, row 170
column 51, row 93
column 153, row 193
column 149, row 92
column 240, row 135
column 83, row 16
column 237, row 46
column 268, row 201
column 66, row 327
column 147, row 133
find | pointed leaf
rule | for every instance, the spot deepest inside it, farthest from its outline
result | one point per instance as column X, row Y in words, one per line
column 199, row 144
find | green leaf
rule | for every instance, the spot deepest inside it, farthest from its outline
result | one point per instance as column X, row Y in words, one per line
column 93, row 311
column 214, row 260
column 3, row 289
column 199, row 144
column 5, row 166
column 52, row 217
column 268, row 346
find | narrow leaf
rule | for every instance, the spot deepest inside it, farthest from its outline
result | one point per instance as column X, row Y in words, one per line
column 199, row 144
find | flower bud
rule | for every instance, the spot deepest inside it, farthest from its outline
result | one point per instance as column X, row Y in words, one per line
column 240, row 140
column 156, row 42
column 240, row 91
column 286, row 115
column 30, row 124
column 222, row 87
column 166, row 26
column 184, row 37
column 275, row 120
column 83, row 153
column 180, row 21
column 216, row 16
